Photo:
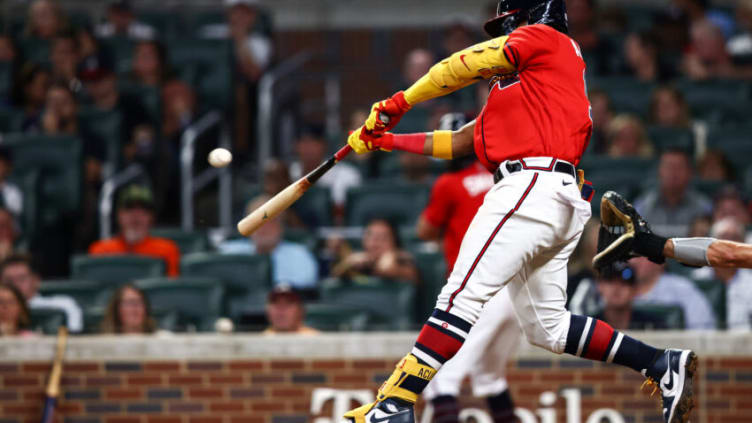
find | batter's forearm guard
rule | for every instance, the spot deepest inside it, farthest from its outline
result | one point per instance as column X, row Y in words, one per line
column 461, row 69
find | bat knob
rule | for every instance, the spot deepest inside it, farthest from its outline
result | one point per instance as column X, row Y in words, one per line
column 384, row 118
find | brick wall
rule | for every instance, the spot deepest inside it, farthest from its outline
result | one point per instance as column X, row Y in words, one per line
column 279, row 391
column 256, row 379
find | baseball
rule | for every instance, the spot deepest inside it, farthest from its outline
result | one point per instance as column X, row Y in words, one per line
column 220, row 157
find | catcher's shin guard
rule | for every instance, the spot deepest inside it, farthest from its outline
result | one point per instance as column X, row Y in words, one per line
column 408, row 376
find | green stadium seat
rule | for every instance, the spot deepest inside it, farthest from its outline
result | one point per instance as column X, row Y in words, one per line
column 390, row 166
column 166, row 22
column 188, row 241
column 149, row 96
column 121, row 51
column 47, row 320
column 709, row 188
column 197, row 301
column 206, row 65
column 247, row 278
column 85, row 293
column 399, row 203
column 28, row 182
column 664, row 138
column 390, row 304
column 105, row 125
column 6, row 80
column 11, row 120
column 672, row 316
column 335, row 317
column 628, row 95
column 623, row 175
column 433, row 277
column 734, row 142
column 704, row 96
column 301, row 236
column 166, row 319
column 315, row 206
column 35, row 50
column 58, row 160
column 116, row 270
column 715, row 292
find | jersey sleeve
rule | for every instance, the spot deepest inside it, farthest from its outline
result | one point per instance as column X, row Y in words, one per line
column 439, row 206
column 527, row 44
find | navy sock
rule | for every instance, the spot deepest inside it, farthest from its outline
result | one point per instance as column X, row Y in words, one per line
column 502, row 407
column 446, row 409
column 597, row 340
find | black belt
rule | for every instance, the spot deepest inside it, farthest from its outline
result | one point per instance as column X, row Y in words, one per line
column 512, row 167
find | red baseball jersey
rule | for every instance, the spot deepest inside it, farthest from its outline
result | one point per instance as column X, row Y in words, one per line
column 455, row 198
column 544, row 111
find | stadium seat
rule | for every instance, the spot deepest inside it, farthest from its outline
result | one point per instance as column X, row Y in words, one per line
column 35, row 50
column 47, row 320
column 705, row 96
column 399, row 203
column 671, row 316
column 28, row 182
column 664, row 138
column 149, row 96
column 188, row 242
column 433, row 277
column 116, row 269
column 6, row 80
column 390, row 304
column 301, row 236
column 335, row 317
column 628, row 95
column 391, row 168
column 11, row 120
column 85, row 293
column 247, row 278
column 709, row 188
column 734, row 142
column 197, row 301
column 715, row 292
column 121, row 51
column 315, row 207
column 206, row 65
column 58, row 160
column 105, row 125
column 623, row 175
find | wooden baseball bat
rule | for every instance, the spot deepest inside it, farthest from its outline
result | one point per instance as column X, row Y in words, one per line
column 288, row 196
column 53, row 385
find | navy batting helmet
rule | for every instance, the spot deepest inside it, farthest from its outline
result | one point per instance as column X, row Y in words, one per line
column 511, row 13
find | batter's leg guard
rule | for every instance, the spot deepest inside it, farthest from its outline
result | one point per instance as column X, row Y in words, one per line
column 397, row 395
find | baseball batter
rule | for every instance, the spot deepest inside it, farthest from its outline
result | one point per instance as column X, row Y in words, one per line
column 531, row 134
column 455, row 198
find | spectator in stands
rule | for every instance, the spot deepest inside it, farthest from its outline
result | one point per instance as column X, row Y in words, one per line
column 100, row 83
column 128, row 313
column 30, row 91
column 10, row 195
column 715, row 166
column 87, row 44
column 65, row 57
column 285, row 312
column 655, row 286
column 583, row 28
column 311, row 149
column 121, row 22
column 303, row 275
column 616, row 288
column 8, row 50
column 17, row 270
column 669, row 108
column 416, row 168
column 700, row 227
column 45, row 20
column 700, row 10
column 672, row 206
column 642, row 59
column 150, row 66
column 707, row 57
column 14, row 313
column 603, row 114
column 179, row 110
column 382, row 256
column 738, row 282
column 8, row 234
column 739, row 45
column 729, row 203
column 135, row 217
column 627, row 138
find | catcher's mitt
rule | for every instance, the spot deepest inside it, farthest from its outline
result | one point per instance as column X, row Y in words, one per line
column 624, row 234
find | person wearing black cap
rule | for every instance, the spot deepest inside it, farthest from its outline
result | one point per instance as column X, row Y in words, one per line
column 286, row 313
column 135, row 216
column 616, row 287
column 122, row 23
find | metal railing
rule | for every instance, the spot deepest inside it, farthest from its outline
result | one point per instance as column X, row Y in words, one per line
column 191, row 184
column 107, row 196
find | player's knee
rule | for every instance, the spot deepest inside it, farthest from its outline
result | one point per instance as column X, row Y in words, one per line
column 548, row 333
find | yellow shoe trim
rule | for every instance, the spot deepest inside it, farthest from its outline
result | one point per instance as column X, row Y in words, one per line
column 408, row 366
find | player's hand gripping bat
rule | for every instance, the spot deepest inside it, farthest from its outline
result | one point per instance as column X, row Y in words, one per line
column 285, row 198
column 53, row 385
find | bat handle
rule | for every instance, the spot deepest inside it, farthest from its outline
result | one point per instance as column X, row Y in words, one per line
column 342, row 153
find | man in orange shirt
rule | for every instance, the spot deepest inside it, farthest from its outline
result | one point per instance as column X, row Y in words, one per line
column 135, row 216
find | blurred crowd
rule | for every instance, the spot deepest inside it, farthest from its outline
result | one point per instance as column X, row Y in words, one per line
column 669, row 88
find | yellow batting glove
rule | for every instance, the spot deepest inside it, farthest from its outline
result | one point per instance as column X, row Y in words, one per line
column 386, row 114
column 359, row 142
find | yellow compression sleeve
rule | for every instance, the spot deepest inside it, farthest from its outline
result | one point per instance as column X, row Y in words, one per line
column 442, row 144
column 461, row 69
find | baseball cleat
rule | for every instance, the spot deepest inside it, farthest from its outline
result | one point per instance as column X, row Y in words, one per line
column 676, row 369
column 390, row 410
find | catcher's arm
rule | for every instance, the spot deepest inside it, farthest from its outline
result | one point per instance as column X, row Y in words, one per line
column 716, row 252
